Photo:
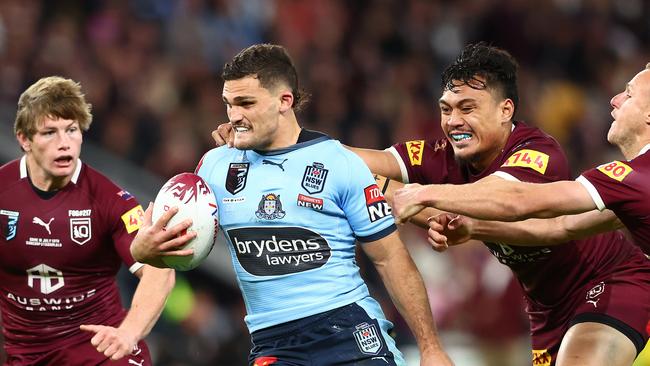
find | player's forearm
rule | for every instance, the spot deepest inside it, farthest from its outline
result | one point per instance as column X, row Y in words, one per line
column 406, row 288
column 532, row 232
column 148, row 301
column 505, row 200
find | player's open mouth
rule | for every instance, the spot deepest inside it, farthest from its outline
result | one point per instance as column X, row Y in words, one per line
column 63, row 160
column 241, row 129
column 458, row 137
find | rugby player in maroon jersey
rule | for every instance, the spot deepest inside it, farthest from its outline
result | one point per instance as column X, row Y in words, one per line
column 610, row 196
column 66, row 230
column 483, row 142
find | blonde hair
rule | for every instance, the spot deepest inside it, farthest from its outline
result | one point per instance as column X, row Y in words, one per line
column 54, row 97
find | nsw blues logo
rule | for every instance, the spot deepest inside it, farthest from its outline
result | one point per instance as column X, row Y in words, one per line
column 368, row 338
column 236, row 178
column 270, row 207
column 313, row 180
column 9, row 223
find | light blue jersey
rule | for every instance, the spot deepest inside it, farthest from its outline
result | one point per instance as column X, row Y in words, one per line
column 292, row 217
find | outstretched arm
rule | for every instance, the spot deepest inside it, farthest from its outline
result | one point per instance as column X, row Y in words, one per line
column 451, row 229
column 380, row 162
column 147, row 304
column 406, row 288
column 493, row 198
column 388, row 188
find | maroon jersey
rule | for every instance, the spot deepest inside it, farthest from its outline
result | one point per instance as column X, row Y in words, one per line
column 59, row 257
column 624, row 187
column 551, row 276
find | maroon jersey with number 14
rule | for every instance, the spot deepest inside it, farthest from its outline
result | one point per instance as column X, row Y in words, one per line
column 59, row 256
column 624, row 187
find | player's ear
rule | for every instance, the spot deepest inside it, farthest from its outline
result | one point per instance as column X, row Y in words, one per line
column 24, row 141
column 286, row 101
column 507, row 109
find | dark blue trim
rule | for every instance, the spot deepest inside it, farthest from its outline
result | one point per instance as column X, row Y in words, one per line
column 306, row 138
column 379, row 235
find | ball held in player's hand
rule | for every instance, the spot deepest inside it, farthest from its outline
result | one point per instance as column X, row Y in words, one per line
column 196, row 201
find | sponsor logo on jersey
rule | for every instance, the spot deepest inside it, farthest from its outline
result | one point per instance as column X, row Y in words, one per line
column 270, row 207
column 526, row 158
column 376, row 203
column 133, row 219
column 274, row 251
column 236, row 178
column 46, row 225
column 310, row 202
column 125, row 195
column 414, row 150
column 9, row 223
column 594, row 293
column 48, row 280
column 264, row 361
column 313, row 180
column 271, row 162
column 367, row 338
column 616, row 170
column 509, row 255
column 541, row 357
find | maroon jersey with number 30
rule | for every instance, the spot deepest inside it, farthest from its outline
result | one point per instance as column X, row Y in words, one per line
column 624, row 187
column 59, row 257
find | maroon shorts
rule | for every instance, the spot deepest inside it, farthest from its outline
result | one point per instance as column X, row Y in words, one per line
column 619, row 299
column 81, row 354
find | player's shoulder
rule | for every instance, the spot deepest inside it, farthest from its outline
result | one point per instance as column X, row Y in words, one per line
column 96, row 184
column 10, row 174
column 526, row 135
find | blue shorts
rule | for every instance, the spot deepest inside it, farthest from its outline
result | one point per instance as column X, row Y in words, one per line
column 343, row 336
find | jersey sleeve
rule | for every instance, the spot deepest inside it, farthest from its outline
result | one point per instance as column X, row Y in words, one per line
column 363, row 203
column 613, row 184
column 538, row 161
column 422, row 161
column 125, row 217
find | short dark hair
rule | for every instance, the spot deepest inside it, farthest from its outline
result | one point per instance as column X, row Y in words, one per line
column 496, row 66
column 271, row 65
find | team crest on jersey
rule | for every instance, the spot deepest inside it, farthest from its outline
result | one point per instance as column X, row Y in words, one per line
column 80, row 230
column 594, row 293
column 368, row 338
column 236, row 178
column 270, row 207
column 313, row 180
column 9, row 223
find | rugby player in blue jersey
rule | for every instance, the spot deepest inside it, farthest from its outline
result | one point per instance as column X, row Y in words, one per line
column 292, row 204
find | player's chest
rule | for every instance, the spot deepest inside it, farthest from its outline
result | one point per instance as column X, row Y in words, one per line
column 274, row 191
column 61, row 233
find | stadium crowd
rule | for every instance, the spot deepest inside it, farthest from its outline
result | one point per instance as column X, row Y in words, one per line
column 151, row 71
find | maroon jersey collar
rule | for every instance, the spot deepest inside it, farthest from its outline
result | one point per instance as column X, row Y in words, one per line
column 23, row 169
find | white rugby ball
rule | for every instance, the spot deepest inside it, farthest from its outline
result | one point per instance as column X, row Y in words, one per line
column 195, row 200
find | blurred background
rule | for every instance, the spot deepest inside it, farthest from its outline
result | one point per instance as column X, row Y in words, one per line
column 151, row 70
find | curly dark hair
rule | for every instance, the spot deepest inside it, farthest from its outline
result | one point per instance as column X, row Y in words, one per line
column 271, row 65
column 496, row 66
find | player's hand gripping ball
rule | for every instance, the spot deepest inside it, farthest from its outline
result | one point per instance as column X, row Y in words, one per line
column 195, row 200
